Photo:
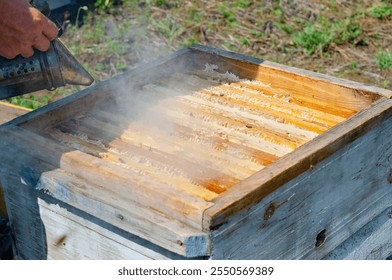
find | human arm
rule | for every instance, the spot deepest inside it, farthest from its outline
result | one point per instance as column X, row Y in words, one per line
column 23, row 28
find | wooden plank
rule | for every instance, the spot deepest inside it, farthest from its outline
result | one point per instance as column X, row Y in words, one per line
column 97, row 201
column 316, row 94
column 155, row 145
column 23, row 211
column 309, row 216
column 288, row 77
column 9, row 111
column 212, row 109
column 282, row 97
column 253, row 189
column 119, row 152
column 60, row 109
column 255, row 96
column 72, row 237
column 371, row 242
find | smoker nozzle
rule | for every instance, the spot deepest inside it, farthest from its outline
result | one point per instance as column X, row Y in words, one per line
column 72, row 72
column 44, row 70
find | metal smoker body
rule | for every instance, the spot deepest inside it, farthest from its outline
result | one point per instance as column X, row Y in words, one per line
column 44, row 70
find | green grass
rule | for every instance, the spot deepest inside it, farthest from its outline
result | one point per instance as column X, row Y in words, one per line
column 353, row 65
column 229, row 16
column 29, row 101
column 168, row 28
column 104, row 5
column 380, row 11
column 344, row 35
column 317, row 37
column 243, row 3
column 312, row 39
column 384, row 60
column 346, row 31
column 189, row 42
column 288, row 29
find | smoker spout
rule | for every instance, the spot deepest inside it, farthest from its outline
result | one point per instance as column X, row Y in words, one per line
column 72, row 72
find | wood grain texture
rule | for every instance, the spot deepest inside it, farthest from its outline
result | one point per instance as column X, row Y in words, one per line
column 167, row 231
column 57, row 233
column 309, row 216
column 253, row 189
column 267, row 70
column 69, row 236
column 7, row 113
column 371, row 242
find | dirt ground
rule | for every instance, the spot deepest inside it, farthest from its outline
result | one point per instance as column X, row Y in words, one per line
column 264, row 29
column 341, row 38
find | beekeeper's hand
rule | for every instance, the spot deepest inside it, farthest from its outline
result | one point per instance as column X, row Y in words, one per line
column 23, row 28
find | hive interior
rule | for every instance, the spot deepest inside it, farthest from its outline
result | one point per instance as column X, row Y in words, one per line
column 200, row 132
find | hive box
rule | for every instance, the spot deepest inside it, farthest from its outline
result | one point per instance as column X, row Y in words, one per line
column 7, row 113
column 204, row 154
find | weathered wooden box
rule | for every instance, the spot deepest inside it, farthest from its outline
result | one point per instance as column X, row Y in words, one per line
column 7, row 113
column 204, row 154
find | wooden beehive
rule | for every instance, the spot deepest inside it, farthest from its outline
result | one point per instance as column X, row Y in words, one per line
column 7, row 113
column 204, row 154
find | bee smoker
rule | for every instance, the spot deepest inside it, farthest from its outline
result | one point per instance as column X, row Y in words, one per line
column 44, row 70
